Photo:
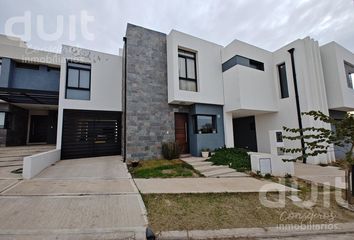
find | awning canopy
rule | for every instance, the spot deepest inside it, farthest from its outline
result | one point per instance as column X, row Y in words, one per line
column 15, row 95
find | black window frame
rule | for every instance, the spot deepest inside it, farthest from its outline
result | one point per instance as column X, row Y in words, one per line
column 349, row 69
column 194, row 58
column 0, row 65
column 243, row 61
column 214, row 124
column 78, row 88
column 283, row 83
column 26, row 65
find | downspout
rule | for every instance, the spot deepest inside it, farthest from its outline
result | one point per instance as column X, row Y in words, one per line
column 125, row 103
column 298, row 110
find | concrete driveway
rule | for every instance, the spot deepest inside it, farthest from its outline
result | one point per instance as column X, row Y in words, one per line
column 329, row 176
column 92, row 198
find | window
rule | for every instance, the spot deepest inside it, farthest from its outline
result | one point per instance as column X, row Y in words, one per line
column 239, row 60
column 349, row 71
column 27, row 66
column 284, row 92
column 78, row 81
column 205, row 124
column 187, row 70
column 2, row 120
column 0, row 65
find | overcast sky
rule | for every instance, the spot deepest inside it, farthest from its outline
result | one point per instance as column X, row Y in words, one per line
column 268, row 24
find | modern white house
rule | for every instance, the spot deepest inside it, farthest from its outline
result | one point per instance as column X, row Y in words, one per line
column 169, row 87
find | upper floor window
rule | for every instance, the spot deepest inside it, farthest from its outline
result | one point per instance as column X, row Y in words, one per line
column 205, row 124
column 239, row 60
column 349, row 71
column 78, row 81
column 187, row 70
column 283, row 81
column 25, row 65
column 2, row 120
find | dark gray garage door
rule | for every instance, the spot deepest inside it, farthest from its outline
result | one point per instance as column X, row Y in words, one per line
column 90, row 134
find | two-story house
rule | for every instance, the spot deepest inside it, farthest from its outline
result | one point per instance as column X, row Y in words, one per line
column 169, row 87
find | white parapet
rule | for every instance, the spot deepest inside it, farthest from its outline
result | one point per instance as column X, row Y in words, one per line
column 33, row 165
column 271, row 164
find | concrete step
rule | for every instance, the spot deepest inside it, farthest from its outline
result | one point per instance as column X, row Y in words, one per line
column 218, row 172
column 18, row 148
column 204, row 169
column 233, row 175
column 21, row 153
column 193, row 159
column 9, row 159
column 11, row 163
column 199, row 164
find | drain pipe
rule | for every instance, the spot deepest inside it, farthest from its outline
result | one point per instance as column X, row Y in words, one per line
column 125, row 102
column 291, row 51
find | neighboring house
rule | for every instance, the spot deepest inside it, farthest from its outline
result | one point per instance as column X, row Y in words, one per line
column 173, row 87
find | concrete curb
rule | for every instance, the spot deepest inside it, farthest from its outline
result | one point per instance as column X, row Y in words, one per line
column 267, row 232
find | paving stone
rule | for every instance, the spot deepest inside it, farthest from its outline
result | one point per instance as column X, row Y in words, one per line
column 218, row 172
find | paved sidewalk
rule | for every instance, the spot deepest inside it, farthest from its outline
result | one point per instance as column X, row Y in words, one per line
column 329, row 176
column 209, row 170
column 207, row 185
column 93, row 198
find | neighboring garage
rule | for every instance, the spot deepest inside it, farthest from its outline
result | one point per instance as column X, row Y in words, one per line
column 91, row 133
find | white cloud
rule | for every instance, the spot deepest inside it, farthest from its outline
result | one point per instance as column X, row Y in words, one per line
column 269, row 24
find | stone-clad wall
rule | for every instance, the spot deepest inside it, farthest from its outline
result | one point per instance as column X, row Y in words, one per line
column 150, row 119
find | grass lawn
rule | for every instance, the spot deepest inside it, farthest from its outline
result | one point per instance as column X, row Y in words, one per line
column 235, row 210
column 163, row 169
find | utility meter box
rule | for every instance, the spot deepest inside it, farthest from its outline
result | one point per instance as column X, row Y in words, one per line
column 273, row 163
column 276, row 142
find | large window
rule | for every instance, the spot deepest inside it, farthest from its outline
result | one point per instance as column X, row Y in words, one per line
column 349, row 71
column 2, row 120
column 205, row 124
column 283, row 81
column 239, row 60
column 187, row 70
column 78, row 81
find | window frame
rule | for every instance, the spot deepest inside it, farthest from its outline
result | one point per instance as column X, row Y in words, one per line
column 214, row 123
column 347, row 67
column 194, row 58
column 282, row 94
column 5, row 120
column 77, row 88
column 243, row 61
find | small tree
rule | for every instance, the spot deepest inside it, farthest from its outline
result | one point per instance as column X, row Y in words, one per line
column 318, row 140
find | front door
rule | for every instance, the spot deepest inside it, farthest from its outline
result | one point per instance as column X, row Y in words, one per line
column 181, row 132
column 245, row 135
column 38, row 129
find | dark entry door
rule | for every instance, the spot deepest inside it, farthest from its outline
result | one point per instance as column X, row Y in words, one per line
column 38, row 129
column 181, row 132
column 245, row 133
column 90, row 134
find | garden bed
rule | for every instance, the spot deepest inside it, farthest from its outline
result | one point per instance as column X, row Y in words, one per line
column 163, row 169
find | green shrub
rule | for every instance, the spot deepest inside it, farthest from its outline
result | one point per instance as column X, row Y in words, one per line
column 170, row 150
column 236, row 158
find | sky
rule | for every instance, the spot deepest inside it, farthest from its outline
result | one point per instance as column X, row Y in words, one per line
column 268, row 24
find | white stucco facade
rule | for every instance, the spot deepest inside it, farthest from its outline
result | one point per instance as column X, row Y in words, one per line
column 339, row 95
column 106, row 83
column 245, row 91
column 209, row 76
